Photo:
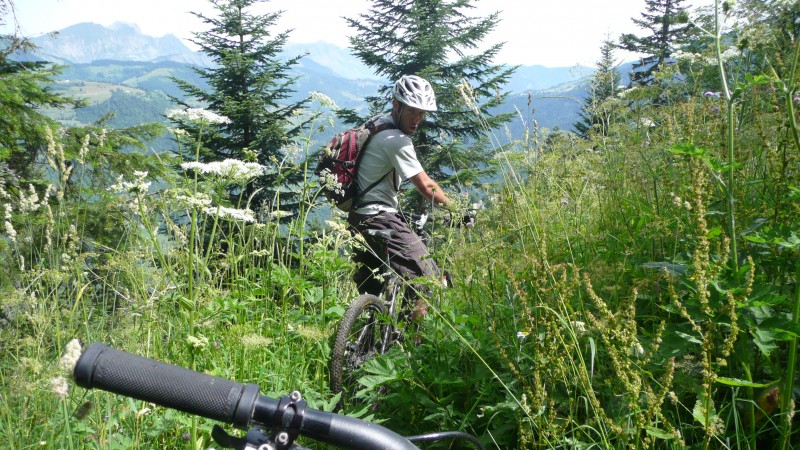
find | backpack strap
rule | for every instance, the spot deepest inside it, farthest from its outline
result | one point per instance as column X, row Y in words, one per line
column 369, row 188
column 373, row 130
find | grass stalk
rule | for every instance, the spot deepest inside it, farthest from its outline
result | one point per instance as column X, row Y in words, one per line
column 787, row 395
column 729, row 138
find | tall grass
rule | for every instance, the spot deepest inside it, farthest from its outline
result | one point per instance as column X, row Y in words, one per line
column 605, row 299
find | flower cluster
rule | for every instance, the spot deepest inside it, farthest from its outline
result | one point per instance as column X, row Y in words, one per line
column 136, row 186
column 71, row 356
column 232, row 169
column 59, row 385
column 198, row 200
column 245, row 215
column 337, row 226
column 10, row 231
column 330, row 182
column 322, row 99
column 197, row 115
column 197, row 342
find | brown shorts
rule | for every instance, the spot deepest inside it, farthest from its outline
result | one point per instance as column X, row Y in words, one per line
column 408, row 256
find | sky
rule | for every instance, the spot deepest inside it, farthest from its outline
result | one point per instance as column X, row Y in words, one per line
column 551, row 33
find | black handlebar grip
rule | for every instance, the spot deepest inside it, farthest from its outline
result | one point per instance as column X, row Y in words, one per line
column 103, row 367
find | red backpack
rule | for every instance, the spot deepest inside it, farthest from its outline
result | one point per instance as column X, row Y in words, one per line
column 338, row 164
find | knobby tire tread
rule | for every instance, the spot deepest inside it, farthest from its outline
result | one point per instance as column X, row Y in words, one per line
column 358, row 306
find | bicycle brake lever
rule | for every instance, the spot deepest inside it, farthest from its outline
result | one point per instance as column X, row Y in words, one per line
column 253, row 439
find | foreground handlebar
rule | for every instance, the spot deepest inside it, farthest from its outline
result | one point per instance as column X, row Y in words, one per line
column 106, row 368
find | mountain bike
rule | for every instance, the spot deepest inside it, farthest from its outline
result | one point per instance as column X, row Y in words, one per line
column 371, row 325
column 272, row 424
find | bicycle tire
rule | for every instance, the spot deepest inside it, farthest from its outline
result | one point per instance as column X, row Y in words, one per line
column 357, row 339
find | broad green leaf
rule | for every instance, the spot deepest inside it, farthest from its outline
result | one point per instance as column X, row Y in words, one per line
column 790, row 242
column 765, row 341
column 781, row 327
column 689, row 337
column 714, row 232
column 700, row 414
column 760, row 80
column 738, row 382
column 659, row 433
column 764, row 299
column 686, row 149
column 756, row 239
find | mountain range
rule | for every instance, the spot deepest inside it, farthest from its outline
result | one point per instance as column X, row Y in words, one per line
column 100, row 61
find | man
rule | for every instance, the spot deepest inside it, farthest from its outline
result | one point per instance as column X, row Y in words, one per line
column 388, row 159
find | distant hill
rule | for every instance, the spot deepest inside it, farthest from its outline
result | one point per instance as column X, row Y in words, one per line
column 89, row 42
column 85, row 43
column 532, row 78
column 113, row 66
column 339, row 60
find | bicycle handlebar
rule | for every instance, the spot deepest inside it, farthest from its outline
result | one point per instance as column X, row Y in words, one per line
column 116, row 371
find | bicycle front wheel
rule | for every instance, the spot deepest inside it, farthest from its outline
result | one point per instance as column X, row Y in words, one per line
column 357, row 340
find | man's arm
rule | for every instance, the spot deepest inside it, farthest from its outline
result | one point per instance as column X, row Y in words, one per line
column 430, row 190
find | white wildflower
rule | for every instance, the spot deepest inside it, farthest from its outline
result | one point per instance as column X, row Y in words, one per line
column 727, row 55
column 29, row 202
column 197, row 115
column 51, row 191
column 142, row 412
column 687, row 56
column 70, row 357
column 626, row 92
column 136, row 186
column 84, row 149
column 329, row 181
column 245, row 215
column 255, row 341
column 278, row 214
column 336, row 226
column 468, row 96
column 647, row 122
column 323, row 99
column 233, row 169
column 198, row 200
column 197, row 342
column 677, row 201
column 637, row 350
column 10, row 231
column 59, row 386
column 579, row 327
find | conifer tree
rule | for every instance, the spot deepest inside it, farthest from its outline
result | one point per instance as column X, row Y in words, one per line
column 597, row 111
column 669, row 27
column 24, row 92
column 437, row 40
column 250, row 85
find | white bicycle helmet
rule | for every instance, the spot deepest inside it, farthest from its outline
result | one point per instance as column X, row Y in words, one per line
column 415, row 92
